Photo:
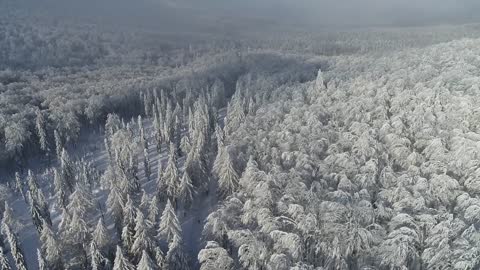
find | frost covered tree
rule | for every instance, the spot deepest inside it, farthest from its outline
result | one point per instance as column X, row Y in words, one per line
column 97, row 260
column 4, row 264
column 169, row 226
column 15, row 249
column 68, row 170
column 143, row 241
column 154, row 210
column 160, row 258
column 185, row 190
column 81, row 202
column 51, row 248
column 60, row 188
column 58, row 144
column 176, row 256
column 41, row 128
column 19, row 186
column 146, row 263
column 235, row 114
column 146, row 164
column 42, row 265
column 115, row 205
column 121, row 263
column 8, row 217
column 143, row 138
column 214, row 257
column 100, row 237
column 170, row 176
column 227, row 176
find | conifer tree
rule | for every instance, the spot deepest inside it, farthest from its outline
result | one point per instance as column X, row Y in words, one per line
column 153, row 210
column 81, row 201
column 58, row 144
column 67, row 170
column 4, row 264
column 160, row 258
column 227, row 176
column 42, row 265
column 169, row 226
column 176, row 257
column 171, row 175
column 146, row 262
column 143, row 138
column 19, row 185
column 78, row 232
column 32, row 184
column 115, row 207
column 157, row 125
column 143, row 241
column 101, row 237
column 185, row 145
column 35, row 212
column 127, row 237
column 51, row 248
column 121, row 263
column 96, row 257
column 186, row 190
column 144, row 201
column 15, row 249
column 8, row 216
column 128, row 230
column 160, row 183
column 41, row 128
column 146, row 164
column 60, row 189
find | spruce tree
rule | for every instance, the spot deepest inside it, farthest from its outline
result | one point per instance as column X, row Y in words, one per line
column 176, row 257
column 60, row 189
column 4, row 264
column 8, row 216
column 41, row 129
column 101, row 237
column 32, row 184
column 146, row 262
column 35, row 212
column 67, row 170
column 146, row 164
column 58, row 144
column 81, row 201
column 160, row 183
column 143, row 241
column 160, row 258
column 19, row 185
column 227, row 176
column 51, row 248
column 15, row 249
column 171, row 175
column 143, row 138
column 115, row 207
column 186, row 190
column 154, row 210
column 121, row 263
column 42, row 265
column 144, row 201
column 169, row 226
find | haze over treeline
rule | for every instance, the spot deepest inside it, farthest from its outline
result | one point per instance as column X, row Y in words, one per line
column 225, row 14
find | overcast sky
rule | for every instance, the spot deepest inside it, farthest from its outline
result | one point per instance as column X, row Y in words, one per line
column 326, row 13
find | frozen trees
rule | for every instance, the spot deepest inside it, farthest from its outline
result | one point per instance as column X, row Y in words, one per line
column 169, row 226
column 214, row 257
column 227, row 176
column 15, row 249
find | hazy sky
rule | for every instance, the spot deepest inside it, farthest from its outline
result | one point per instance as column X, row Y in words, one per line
column 313, row 12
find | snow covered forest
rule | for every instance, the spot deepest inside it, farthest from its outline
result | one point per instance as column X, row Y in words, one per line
column 273, row 148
